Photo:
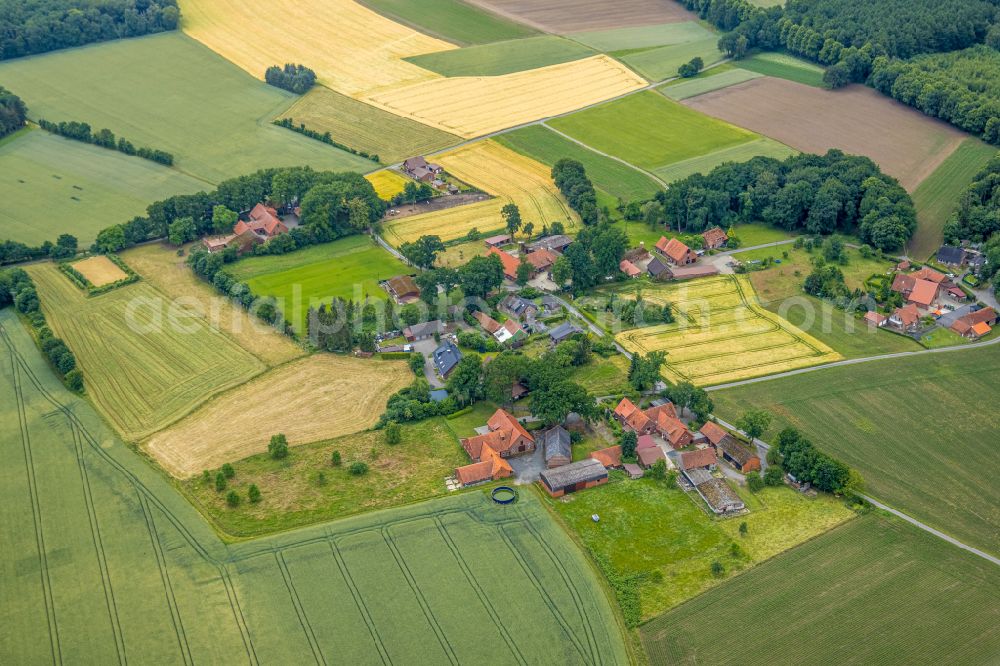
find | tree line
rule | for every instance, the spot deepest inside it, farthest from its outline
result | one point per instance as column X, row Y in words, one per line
column 13, row 112
column 977, row 216
column 105, row 138
column 38, row 26
column 818, row 194
column 571, row 178
column 808, row 464
column 325, row 137
column 292, row 77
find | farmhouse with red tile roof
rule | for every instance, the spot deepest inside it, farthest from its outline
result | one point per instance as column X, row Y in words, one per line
column 506, row 438
column 509, row 261
column 714, row 238
column 967, row 326
column 676, row 252
column 661, row 419
column 264, row 222
column 924, row 293
column 610, row 457
column 698, row 459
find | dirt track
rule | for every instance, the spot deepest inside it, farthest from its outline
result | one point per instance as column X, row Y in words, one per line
column 563, row 16
column 856, row 119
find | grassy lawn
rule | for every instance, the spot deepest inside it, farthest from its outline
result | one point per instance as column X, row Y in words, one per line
column 762, row 147
column 500, row 58
column 84, row 188
column 650, row 131
column 451, row 20
column 943, row 337
column 875, row 590
column 603, row 376
column 784, row 66
column 780, row 281
column 464, row 425
column 349, row 268
column 920, row 430
column 662, row 62
column 157, row 97
column 749, row 234
column 674, row 541
column 615, row 178
column 937, row 196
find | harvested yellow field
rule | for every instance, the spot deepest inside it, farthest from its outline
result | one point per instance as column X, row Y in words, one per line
column 387, row 183
column 352, row 49
column 100, row 271
column 474, row 106
column 311, row 399
column 509, row 176
column 722, row 334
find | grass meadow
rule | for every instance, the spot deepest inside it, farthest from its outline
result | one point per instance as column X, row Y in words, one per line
column 920, row 430
column 51, row 185
column 662, row 62
column 650, row 131
column 901, row 595
column 707, row 82
column 350, row 268
column 170, row 92
column 146, row 360
column 784, row 66
column 451, row 20
column 106, row 561
column 938, row 195
column 642, row 37
column 505, row 57
column 762, row 147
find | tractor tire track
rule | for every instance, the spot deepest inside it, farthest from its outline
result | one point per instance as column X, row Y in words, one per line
column 358, row 600
column 307, row 629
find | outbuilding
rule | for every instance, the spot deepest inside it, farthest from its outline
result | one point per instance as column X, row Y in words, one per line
column 558, row 448
column 573, row 477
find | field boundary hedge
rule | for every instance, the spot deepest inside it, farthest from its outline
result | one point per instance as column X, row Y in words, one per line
column 77, row 278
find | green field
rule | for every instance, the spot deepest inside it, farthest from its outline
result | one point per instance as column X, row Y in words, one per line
column 365, row 127
column 762, row 147
column 874, row 591
column 749, row 234
column 672, row 542
column 51, row 185
column 685, row 88
column 937, row 196
column 146, row 359
column 920, row 430
column 618, row 180
column 516, row 55
column 785, row 66
column 662, row 62
column 642, row 37
column 451, row 20
column 350, row 268
column 650, row 131
column 170, row 92
column 104, row 562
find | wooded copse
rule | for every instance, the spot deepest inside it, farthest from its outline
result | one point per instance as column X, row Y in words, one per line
column 105, row 138
column 817, row 194
column 38, row 26
column 292, row 77
column 571, row 178
column 13, row 112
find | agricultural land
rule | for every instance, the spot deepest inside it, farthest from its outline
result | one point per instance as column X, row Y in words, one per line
column 564, row 16
column 387, row 183
column 451, row 20
column 784, row 66
column 99, row 270
column 505, row 57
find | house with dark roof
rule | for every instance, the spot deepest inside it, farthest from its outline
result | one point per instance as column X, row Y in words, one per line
column 402, row 288
column 658, row 269
column 423, row 331
column 557, row 243
column 446, row 357
column 676, row 252
column 738, row 454
column 951, row 256
column 557, row 447
column 714, row 238
column 518, row 307
column 564, row 331
column 573, row 477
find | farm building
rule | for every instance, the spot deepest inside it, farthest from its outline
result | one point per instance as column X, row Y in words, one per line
column 923, row 294
column 648, row 456
column 541, row 260
column 633, row 471
column 676, row 252
column 698, row 459
column 488, row 323
column 904, row 265
column 661, row 419
column 691, row 272
column 420, row 169
column 713, row 432
column 263, row 221
column 951, row 256
column 875, row 319
column 491, row 467
column 243, row 243
column 573, row 477
column 720, row 497
column 906, row 318
column 423, row 331
column 714, row 238
column 644, row 442
column 446, row 357
column 402, row 288
column 975, row 324
column 558, row 449
column 930, row 274
column 563, row 331
column 497, row 241
column 557, row 243
column 629, row 269
column 518, row 307
column 738, row 454
column 658, row 269
column 509, row 261
column 610, row 457
column 632, row 418
column 505, row 436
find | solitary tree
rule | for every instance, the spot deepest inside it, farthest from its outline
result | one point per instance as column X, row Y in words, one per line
column 744, row 528
column 629, row 441
column 335, row 458
column 233, row 499
column 220, row 482
column 253, row 493
column 717, row 569
column 512, row 217
column 524, row 270
column 393, row 433
column 223, row 220
column 754, row 423
column 278, row 447
column 754, row 482
column 358, row 468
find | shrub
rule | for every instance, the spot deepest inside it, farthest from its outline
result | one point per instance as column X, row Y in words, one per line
column 253, row 493
column 220, row 482
column 718, row 570
column 393, row 433
column 335, row 458
column 228, row 471
column 358, row 468
column 736, row 550
column 744, row 528
column 773, row 476
column 754, row 482
column 278, row 446
column 233, row 499
column 74, row 380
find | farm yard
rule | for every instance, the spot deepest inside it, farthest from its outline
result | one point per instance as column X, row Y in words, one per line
column 566, row 16
column 721, row 334
column 866, row 415
column 156, row 99
column 903, row 596
column 858, row 120
column 99, row 270
column 321, row 397
column 82, row 186
column 88, row 519
column 146, row 360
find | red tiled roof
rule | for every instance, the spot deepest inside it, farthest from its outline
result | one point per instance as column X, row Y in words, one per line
column 903, row 283
column 930, row 274
column 492, row 467
column 649, row 456
column 715, row 237
column 981, row 329
column 908, row 314
column 876, row 318
column 489, row 324
column 629, row 269
column 503, row 420
column 967, row 323
column 924, row 292
column 509, row 261
column 903, row 266
column 632, row 415
column 541, row 259
column 673, row 249
column 674, row 430
column 666, row 409
column 609, row 457
column 699, row 458
column 713, row 431
column 645, row 441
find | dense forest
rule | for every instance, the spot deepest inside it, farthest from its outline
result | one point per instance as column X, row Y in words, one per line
column 37, row 26
column 13, row 112
column 812, row 193
column 977, row 216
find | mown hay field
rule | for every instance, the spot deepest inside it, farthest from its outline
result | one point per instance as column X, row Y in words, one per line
column 99, row 270
column 451, row 20
column 146, row 360
column 507, row 57
column 566, row 16
column 352, row 49
column 901, row 595
column 650, row 131
column 948, row 399
column 104, row 560
column 365, row 127
column 784, row 66
column 170, row 92
column 684, row 88
column 499, row 171
column 387, row 183
column 722, row 334
column 319, row 397
column 473, row 106
column 904, row 142
column 84, row 188
column 762, row 147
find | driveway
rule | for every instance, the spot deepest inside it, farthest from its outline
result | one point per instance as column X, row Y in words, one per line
column 427, row 347
column 528, row 467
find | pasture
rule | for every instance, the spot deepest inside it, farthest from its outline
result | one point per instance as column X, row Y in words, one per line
column 784, row 66
column 451, row 20
column 508, row 176
column 856, row 119
column 365, row 127
column 104, row 560
column 350, row 268
column 159, row 265
column 504, row 57
column 321, row 397
column 869, row 415
column 146, row 360
column 661, row 63
column 875, row 590
column 682, row 89
column 366, row 54
column 99, row 270
column 474, row 106
column 780, row 282
column 762, row 147
column 387, row 183
column 721, row 333
column 641, row 37
column 566, row 16
column 85, row 188
column 542, row 144
column 157, row 97
column 937, row 197
column 676, row 541
column 650, row 131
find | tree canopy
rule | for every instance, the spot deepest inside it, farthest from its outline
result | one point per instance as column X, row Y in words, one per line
column 13, row 112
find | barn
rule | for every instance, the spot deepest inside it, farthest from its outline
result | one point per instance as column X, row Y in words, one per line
column 573, row 477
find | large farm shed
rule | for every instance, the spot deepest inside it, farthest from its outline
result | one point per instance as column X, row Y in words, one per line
column 573, row 477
